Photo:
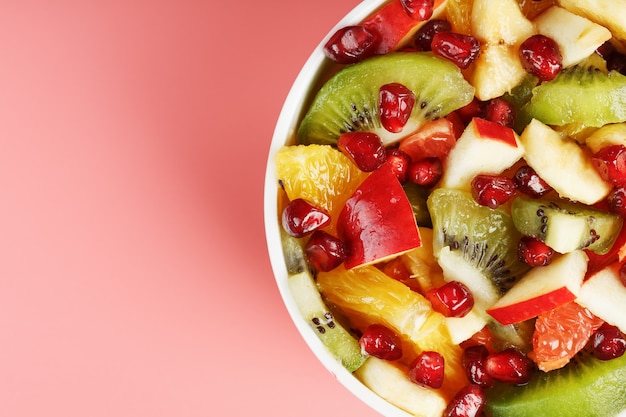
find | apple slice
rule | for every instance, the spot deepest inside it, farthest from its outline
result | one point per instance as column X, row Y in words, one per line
column 605, row 296
column 608, row 13
column 542, row 289
column 377, row 221
column 563, row 164
column 576, row 36
column 500, row 22
column 607, row 135
column 485, row 147
column 497, row 70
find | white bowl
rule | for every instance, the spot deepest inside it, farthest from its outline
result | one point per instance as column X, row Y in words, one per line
column 284, row 133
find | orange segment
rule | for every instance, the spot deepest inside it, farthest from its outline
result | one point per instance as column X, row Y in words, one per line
column 367, row 295
column 319, row 174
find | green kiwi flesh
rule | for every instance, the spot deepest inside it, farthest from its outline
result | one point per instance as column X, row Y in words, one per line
column 348, row 101
column 582, row 94
column 487, row 238
column 336, row 338
column 546, row 220
column 586, row 387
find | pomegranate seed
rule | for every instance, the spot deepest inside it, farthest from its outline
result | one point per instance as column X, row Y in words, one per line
column 351, row 44
column 365, row 149
column 492, row 190
column 428, row 369
column 474, row 358
column 395, row 104
column 541, row 57
column 426, row 172
column 419, row 9
column 468, row 402
column 610, row 162
column 381, row 342
column 301, row 218
column 325, row 251
column 608, row 342
column 617, row 200
column 452, row 299
column 510, row 366
column 534, row 252
column 461, row 49
column 530, row 183
column 424, row 35
column 500, row 111
column 399, row 162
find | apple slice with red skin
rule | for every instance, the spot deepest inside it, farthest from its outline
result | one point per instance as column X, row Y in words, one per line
column 435, row 139
column 377, row 221
column 542, row 289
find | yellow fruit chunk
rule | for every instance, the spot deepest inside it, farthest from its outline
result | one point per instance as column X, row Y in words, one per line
column 366, row 296
column 319, row 174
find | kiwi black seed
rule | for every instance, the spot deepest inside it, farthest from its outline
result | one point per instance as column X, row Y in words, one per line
column 487, row 238
column 580, row 94
column 586, row 387
column 348, row 101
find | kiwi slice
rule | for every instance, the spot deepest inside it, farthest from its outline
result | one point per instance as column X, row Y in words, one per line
column 348, row 101
column 566, row 226
column 586, row 387
column 485, row 238
column 583, row 94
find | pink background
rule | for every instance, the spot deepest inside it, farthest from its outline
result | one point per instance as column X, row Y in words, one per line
column 134, row 278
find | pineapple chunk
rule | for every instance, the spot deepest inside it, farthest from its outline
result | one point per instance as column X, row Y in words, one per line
column 500, row 21
column 497, row 70
column 608, row 13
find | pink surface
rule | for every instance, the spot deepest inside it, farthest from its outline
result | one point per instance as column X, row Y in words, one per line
column 134, row 279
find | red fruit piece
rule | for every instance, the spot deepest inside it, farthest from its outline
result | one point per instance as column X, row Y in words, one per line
column 395, row 104
column 492, row 190
column 365, row 149
column 534, row 252
column 351, row 44
column 530, row 183
column 399, row 162
column 617, row 200
column 426, row 172
column 510, row 366
column 301, row 218
column 610, row 162
column 500, row 111
column 428, row 369
column 419, row 9
column 541, row 57
column 452, row 299
column 325, row 251
column 434, row 139
column 461, row 49
column 608, row 342
column 468, row 402
column 622, row 274
column 381, row 342
column 424, row 35
column 474, row 358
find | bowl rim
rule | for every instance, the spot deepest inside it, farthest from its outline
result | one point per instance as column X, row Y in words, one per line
column 285, row 128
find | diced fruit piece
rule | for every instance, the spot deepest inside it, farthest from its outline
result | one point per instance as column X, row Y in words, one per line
column 369, row 296
column 433, row 140
column 484, row 148
column 349, row 100
column 610, row 162
column 351, row 44
column 381, row 342
column 500, row 111
column 301, row 218
column 419, row 9
column 427, row 369
column 324, row 251
column 611, row 134
column 588, row 385
column 608, row 13
column 389, row 380
column 468, row 402
column 541, row 57
column 377, row 221
column 332, row 334
column 497, row 71
column 492, row 190
column 461, row 49
column 542, row 289
column 579, row 94
column 425, row 172
column 500, row 21
column 424, row 35
column 475, row 245
column 395, row 105
column 563, row 164
column 566, row 226
column 293, row 252
column 422, row 265
column 319, row 174
column 530, row 183
column 576, row 36
column 452, row 299
column 365, row 149
column 560, row 334
column 510, row 366
column 459, row 13
column 474, row 359
column 608, row 343
column 605, row 296
column 399, row 162
column 534, row 252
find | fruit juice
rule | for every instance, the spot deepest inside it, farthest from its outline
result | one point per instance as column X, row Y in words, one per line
column 451, row 200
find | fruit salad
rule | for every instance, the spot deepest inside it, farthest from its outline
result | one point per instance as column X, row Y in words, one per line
column 451, row 201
